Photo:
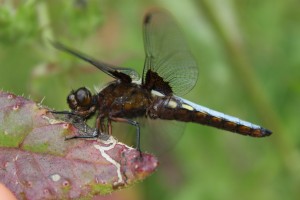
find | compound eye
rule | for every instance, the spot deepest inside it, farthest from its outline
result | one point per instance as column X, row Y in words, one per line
column 83, row 97
column 72, row 101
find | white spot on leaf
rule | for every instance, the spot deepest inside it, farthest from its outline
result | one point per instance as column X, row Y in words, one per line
column 55, row 177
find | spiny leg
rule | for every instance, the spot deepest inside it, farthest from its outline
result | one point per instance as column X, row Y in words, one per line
column 100, row 125
column 99, row 132
column 83, row 120
column 94, row 135
column 109, row 126
column 63, row 112
column 134, row 123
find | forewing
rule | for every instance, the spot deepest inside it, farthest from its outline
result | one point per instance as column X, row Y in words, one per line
column 123, row 74
column 167, row 55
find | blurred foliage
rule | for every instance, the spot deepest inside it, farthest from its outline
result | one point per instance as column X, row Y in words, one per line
column 18, row 24
column 249, row 63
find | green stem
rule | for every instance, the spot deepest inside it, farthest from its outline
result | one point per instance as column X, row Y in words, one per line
column 44, row 22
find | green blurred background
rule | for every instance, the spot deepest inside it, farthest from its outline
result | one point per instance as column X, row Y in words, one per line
column 248, row 52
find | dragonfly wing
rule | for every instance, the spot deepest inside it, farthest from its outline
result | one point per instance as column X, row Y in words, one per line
column 169, row 67
column 123, row 74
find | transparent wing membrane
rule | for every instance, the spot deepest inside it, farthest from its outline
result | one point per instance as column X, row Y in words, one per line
column 167, row 53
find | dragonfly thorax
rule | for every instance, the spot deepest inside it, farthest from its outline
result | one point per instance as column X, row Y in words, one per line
column 123, row 100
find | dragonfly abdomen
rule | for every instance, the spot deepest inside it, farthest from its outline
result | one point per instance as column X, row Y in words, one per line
column 176, row 108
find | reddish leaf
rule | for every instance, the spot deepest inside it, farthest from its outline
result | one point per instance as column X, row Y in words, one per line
column 36, row 162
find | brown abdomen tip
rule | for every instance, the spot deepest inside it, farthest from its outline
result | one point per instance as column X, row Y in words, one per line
column 266, row 132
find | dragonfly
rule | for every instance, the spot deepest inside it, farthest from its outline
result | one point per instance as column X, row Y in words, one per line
column 169, row 71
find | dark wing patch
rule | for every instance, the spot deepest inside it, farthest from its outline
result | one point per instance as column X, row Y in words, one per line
column 155, row 82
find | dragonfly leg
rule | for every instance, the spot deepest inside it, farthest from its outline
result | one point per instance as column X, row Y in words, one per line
column 109, row 127
column 101, row 126
column 95, row 134
column 62, row 112
column 134, row 123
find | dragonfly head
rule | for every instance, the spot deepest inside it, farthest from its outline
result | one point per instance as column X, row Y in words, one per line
column 81, row 102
